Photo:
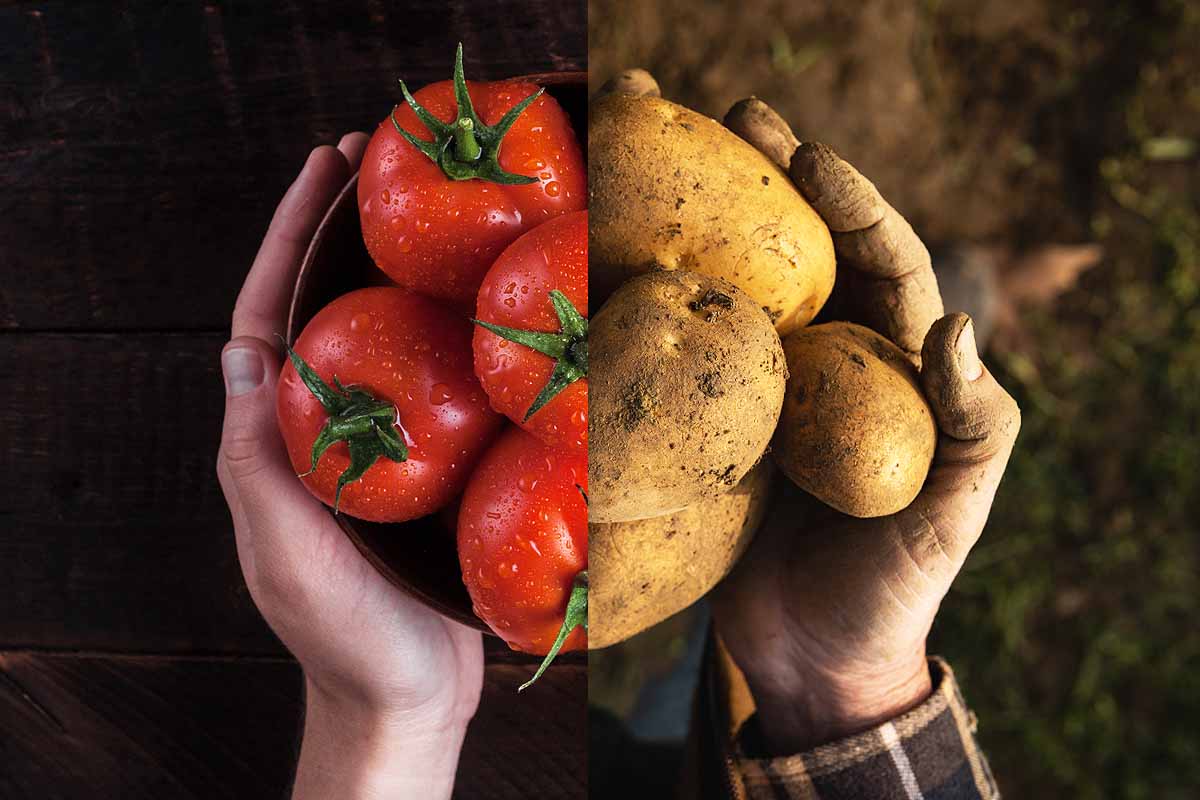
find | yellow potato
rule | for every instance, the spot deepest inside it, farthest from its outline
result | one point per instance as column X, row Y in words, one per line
column 684, row 390
column 642, row 572
column 670, row 189
column 856, row 432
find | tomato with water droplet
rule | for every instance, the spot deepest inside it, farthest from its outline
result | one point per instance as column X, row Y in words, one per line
column 523, row 527
column 474, row 216
column 515, row 375
column 436, row 409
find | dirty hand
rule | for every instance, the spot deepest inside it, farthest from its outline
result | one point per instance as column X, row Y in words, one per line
column 391, row 685
column 827, row 615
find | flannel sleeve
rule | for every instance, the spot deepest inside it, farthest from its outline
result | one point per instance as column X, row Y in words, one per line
column 927, row 753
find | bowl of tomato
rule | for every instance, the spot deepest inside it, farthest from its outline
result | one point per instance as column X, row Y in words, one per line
column 420, row 556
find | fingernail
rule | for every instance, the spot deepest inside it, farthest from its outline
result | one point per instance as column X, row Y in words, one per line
column 968, row 356
column 243, row 369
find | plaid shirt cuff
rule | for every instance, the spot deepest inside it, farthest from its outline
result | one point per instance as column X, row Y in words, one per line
column 928, row 753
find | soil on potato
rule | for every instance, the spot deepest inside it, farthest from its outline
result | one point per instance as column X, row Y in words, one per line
column 1018, row 123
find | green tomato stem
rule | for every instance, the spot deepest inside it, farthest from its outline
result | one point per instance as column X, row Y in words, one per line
column 466, row 149
column 576, row 616
column 365, row 424
column 466, row 146
column 568, row 347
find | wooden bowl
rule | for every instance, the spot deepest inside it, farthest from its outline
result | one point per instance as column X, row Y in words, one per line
column 419, row 556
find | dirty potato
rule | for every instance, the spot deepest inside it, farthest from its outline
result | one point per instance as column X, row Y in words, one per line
column 684, row 393
column 671, row 189
column 856, row 431
column 645, row 570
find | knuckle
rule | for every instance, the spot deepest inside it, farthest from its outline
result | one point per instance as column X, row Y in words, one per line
column 241, row 453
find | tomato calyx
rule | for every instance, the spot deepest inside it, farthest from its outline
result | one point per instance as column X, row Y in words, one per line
column 466, row 148
column 366, row 425
column 568, row 347
column 576, row 616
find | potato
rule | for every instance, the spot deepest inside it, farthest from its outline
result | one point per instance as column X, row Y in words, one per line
column 672, row 189
column 644, row 571
column 685, row 388
column 856, row 431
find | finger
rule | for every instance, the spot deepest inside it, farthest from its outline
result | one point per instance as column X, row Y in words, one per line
column 970, row 406
column 352, row 147
column 255, row 468
column 261, row 309
column 636, row 82
column 757, row 123
column 978, row 421
column 890, row 286
column 240, row 523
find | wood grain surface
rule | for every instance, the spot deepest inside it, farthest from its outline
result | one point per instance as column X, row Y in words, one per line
column 143, row 146
column 81, row 727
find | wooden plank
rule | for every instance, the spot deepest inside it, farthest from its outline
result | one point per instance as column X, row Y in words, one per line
column 115, row 533
column 142, row 151
column 110, row 428
column 148, row 727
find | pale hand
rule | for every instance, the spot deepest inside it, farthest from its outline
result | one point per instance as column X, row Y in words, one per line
column 391, row 685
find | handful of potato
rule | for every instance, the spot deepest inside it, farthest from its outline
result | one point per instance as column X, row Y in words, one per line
column 708, row 255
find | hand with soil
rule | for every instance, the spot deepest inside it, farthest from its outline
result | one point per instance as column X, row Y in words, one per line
column 827, row 614
column 390, row 684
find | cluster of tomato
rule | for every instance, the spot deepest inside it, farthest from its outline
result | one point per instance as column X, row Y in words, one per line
column 473, row 202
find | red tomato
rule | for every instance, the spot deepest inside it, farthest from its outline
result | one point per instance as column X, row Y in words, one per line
column 547, row 375
column 522, row 540
column 411, row 359
column 439, row 235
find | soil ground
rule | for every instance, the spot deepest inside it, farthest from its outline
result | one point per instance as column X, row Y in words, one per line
column 1020, row 123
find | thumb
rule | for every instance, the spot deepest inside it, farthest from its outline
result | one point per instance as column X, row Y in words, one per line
column 250, row 445
column 255, row 471
column 760, row 125
column 977, row 417
column 978, row 421
column 269, row 506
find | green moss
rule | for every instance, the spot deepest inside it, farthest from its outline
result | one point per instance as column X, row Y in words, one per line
column 1074, row 624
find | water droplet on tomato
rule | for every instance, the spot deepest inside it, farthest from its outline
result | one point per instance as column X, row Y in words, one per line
column 535, row 163
column 440, row 394
column 524, row 290
column 527, row 483
column 553, row 188
column 360, row 321
column 403, row 244
column 386, row 197
column 484, row 579
column 511, row 302
column 401, row 189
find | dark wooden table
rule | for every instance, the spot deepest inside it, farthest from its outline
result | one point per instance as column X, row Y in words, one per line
column 143, row 147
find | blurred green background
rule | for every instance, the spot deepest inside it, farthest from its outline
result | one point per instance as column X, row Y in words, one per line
column 1014, row 124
